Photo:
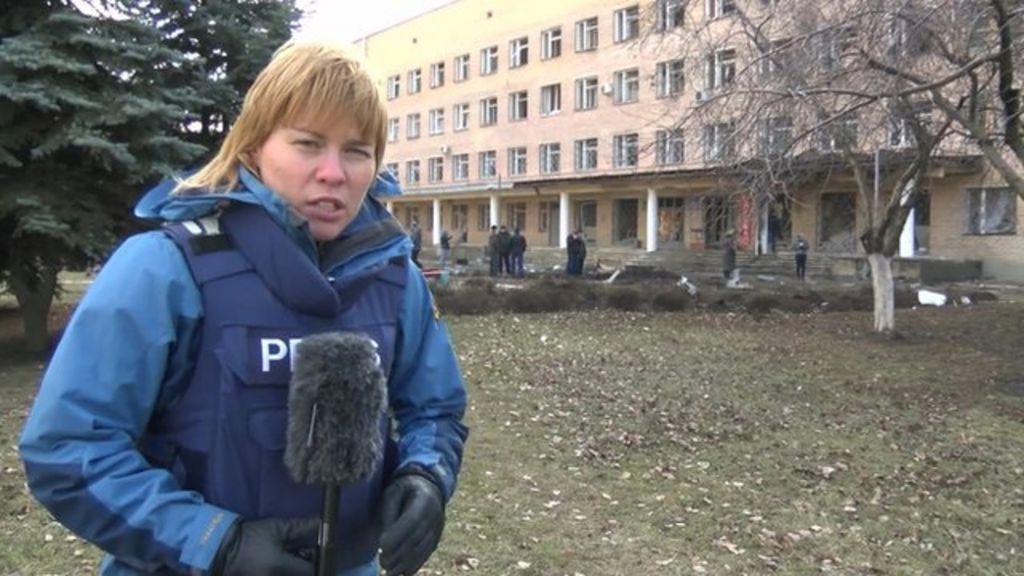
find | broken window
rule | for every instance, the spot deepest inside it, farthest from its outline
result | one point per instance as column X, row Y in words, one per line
column 838, row 216
column 991, row 211
column 670, row 219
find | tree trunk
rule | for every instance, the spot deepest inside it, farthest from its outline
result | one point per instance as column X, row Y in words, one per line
column 34, row 295
column 884, row 291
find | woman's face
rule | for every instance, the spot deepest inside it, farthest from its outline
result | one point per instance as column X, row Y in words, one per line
column 323, row 174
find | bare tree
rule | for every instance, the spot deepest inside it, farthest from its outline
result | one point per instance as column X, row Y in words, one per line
column 792, row 95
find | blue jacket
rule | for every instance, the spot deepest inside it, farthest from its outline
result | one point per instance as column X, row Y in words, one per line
column 129, row 351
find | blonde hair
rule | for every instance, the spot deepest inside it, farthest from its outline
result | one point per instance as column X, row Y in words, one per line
column 304, row 81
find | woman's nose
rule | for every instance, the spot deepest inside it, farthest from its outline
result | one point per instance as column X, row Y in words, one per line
column 331, row 169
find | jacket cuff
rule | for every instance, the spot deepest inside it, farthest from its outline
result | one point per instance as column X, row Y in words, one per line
column 212, row 524
column 422, row 471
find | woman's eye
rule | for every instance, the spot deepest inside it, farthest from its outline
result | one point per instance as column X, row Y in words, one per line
column 307, row 143
column 361, row 152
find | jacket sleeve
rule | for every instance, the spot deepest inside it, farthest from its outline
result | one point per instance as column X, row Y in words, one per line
column 125, row 352
column 428, row 397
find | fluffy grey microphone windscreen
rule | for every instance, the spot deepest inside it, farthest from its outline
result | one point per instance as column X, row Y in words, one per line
column 337, row 398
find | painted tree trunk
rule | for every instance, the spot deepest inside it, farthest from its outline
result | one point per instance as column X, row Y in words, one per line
column 884, row 290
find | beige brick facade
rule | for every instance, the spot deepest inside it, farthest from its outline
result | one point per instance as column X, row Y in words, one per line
column 610, row 199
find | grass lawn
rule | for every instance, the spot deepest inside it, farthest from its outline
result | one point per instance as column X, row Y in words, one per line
column 621, row 444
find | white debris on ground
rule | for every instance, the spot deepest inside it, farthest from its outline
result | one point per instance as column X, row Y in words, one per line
column 614, row 275
column 687, row 285
column 931, row 298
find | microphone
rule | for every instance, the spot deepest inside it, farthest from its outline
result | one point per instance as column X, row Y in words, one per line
column 336, row 401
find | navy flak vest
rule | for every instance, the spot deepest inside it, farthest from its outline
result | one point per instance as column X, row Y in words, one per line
column 224, row 437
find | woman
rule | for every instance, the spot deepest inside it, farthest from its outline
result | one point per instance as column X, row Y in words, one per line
column 159, row 427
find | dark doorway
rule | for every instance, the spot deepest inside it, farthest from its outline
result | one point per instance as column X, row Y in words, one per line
column 625, row 215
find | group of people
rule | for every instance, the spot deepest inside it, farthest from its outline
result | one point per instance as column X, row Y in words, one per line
column 444, row 252
column 506, row 252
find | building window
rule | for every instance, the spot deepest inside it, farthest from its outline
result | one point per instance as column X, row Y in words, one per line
column 991, row 211
column 719, row 143
column 517, row 161
column 489, row 111
column 719, row 69
column 394, row 86
column 719, row 8
column 670, row 14
column 460, row 116
column 669, row 78
column 586, row 35
column 586, row 154
column 836, row 43
column 516, row 216
column 543, row 216
column 412, row 126
column 412, row 172
column 776, row 136
column 551, row 43
column 415, row 81
column 462, row 68
column 517, row 106
column 460, row 221
column 624, row 150
column 627, row 86
column 519, row 52
column 488, row 60
column 778, row 57
column 460, row 167
column 437, row 75
column 668, row 147
column 483, row 216
column 550, row 157
column 839, row 134
column 392, row 167
column 435, row 169
column 550, row 99
column 626, row 25
column 586, row 93
column 393, row 129
column 436, row 118
column 488, row 164
column 901, row 127
column 900, row 133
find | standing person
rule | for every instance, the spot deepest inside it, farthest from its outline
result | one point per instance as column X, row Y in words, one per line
column 577, row 252
column 729, row 255
column 571, row 253
column 446, row 249
column 504, row 251
column 493, row 251
column 159, row 427
column 800, row 249
column 581, row 251
column 416, row 236
column 517, row 252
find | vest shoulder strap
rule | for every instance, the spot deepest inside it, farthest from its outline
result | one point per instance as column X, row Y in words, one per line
column 209, row 251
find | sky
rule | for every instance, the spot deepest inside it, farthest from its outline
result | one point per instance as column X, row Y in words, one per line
column 348, row 20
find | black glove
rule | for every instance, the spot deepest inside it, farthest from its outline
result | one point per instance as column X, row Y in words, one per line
column 412, row 517
column 263, row 548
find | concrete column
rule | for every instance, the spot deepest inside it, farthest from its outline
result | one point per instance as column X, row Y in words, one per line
column 495, row 210
column 907, row 247
column 436, row 236
column 563, row 218
column 652, row 220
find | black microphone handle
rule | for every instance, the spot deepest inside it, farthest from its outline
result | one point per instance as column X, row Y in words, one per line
column 327, row 539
